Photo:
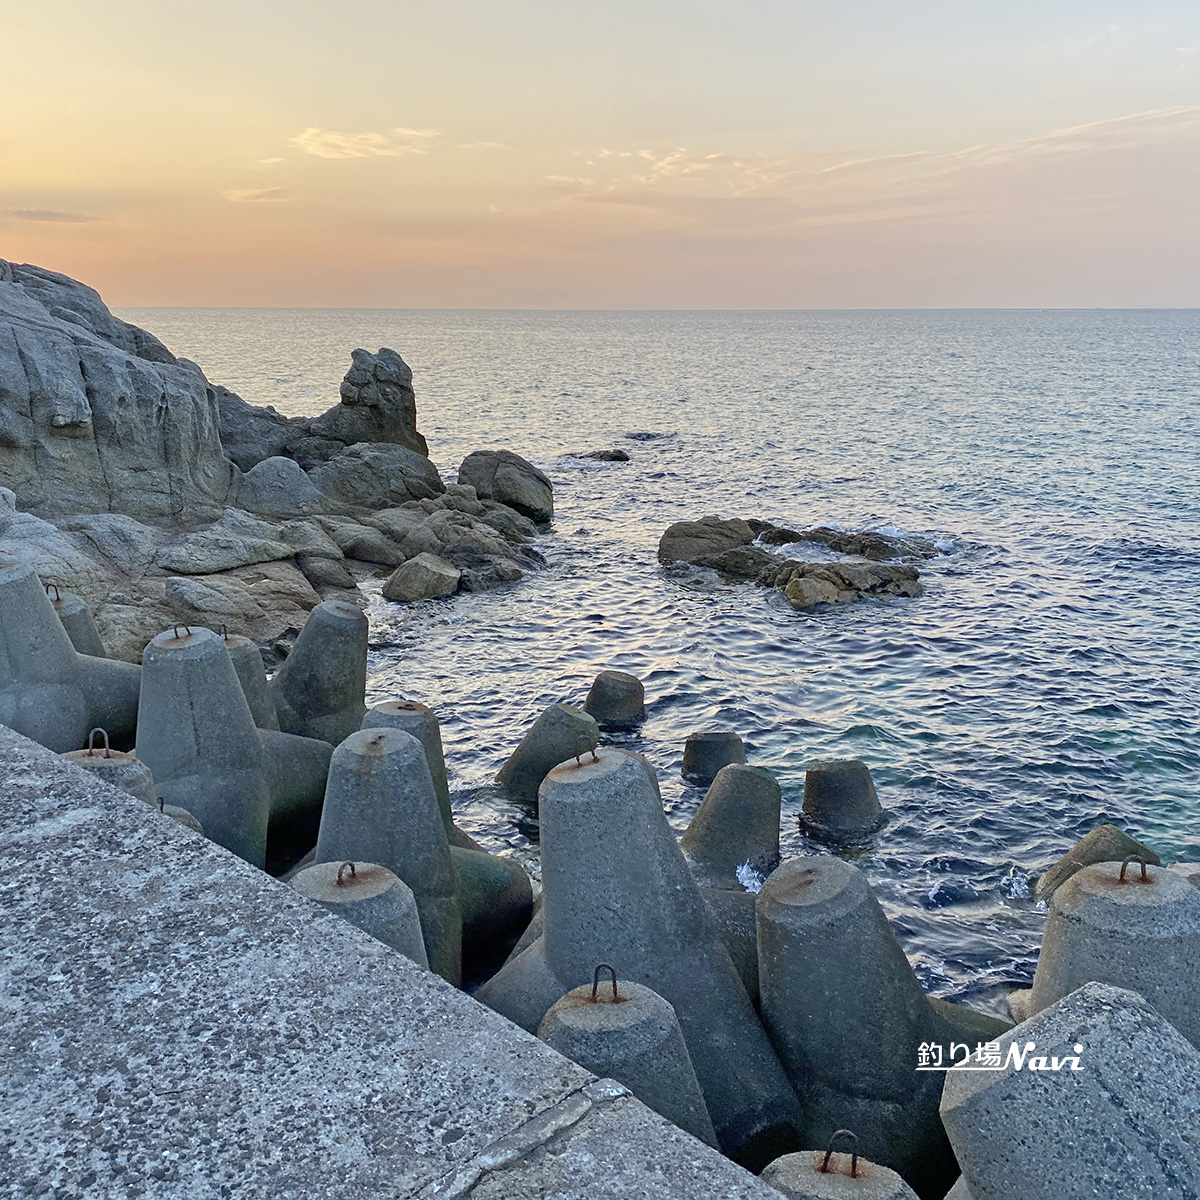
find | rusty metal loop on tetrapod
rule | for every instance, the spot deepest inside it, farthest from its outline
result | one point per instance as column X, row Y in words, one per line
column 91, row 746
column 842, row 1133
column 341, row 875
column 616, row 999
column 1133, row 858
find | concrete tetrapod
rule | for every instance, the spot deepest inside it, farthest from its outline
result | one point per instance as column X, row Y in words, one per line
column 297, row 770
column 320, row 690
column 197, row 736
column 705, row 753
column 617, row 699
column 821, row 1175
column 1105, row 843
column 732, row 845
column 79, row 623
column 421, row 721
column 1095, row 1096
column 617, row 890
column 370, row 896
column 840, row 799
column 252, row 674
column 124, row 771
column 736, row 825
column 380, row 807
column 847, row 1015
column 1141, row 931
column 495, row 894
column 627, row 1032
column 48, row 690
column 556, row 736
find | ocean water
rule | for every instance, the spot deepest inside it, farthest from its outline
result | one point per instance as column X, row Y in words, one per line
column 1047, row 681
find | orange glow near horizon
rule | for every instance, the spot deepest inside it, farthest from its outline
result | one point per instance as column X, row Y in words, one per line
column 663, row 156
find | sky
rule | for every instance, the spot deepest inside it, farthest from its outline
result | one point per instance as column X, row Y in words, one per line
column 630, row 154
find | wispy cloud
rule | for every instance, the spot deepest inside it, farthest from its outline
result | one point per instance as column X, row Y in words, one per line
column 256, row 195
column 333, row 143
column 482, row 146
column 48, row 214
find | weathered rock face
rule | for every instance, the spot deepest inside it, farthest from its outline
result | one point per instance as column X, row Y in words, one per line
column 377, row 405
column 377, row 475
column 97, row 415
column 726, row 547
column 507, row 477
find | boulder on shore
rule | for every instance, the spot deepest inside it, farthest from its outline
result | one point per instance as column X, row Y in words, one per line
column 425, row 577
column 507, row 477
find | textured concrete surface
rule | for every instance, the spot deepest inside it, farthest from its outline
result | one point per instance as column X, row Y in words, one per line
column 178, row 1024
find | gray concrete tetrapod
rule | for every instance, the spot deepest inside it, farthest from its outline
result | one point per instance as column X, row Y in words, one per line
column 1096, row 1097
column 624, row 1031
column 617, row 890
column 78, row 621
column 375, row 899
column 297, row 770
column 422, row 723
column 380, row 807
column 197, row 736
column 556, row 736
column 320, row 690
column 1142, row 933
column 736, row 825
column 847, row 1015
column 616, row 698
column 252, row 675
column 735, row 829
column 1105, row 843
column 496, row 898
column 820, row 1175
column 124, row 771
column 706, row 752
column 840, row 799
column 48, row 691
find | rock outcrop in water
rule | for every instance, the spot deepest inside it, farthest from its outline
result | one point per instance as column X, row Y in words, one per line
column 734, row 548
column 160, row 498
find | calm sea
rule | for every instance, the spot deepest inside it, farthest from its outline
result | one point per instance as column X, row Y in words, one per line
column 1048, row 680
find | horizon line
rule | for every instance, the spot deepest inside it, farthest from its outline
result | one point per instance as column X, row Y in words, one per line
column 515, row 309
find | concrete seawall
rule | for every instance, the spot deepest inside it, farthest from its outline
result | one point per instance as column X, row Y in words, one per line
column 178, row 1024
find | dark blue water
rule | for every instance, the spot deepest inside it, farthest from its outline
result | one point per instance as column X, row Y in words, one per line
column 1046, row 682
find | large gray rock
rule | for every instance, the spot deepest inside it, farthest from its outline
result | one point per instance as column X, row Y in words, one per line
column 376, row 475
column 97, row 415
column 426, row 577
column 377, row 404
column 1116, row 1118
column 236, row 540
column 278, row 487
column 507, row 477
column 251, row 433
column 687, row 541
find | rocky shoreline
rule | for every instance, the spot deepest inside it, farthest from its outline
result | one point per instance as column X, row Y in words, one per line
column 159, row 497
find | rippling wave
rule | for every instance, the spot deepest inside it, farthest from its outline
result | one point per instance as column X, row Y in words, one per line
column 1045, row 682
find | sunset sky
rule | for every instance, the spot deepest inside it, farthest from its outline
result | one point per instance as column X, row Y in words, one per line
column 649, row 154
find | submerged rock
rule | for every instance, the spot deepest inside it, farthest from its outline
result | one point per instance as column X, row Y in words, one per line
column 733, row 548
